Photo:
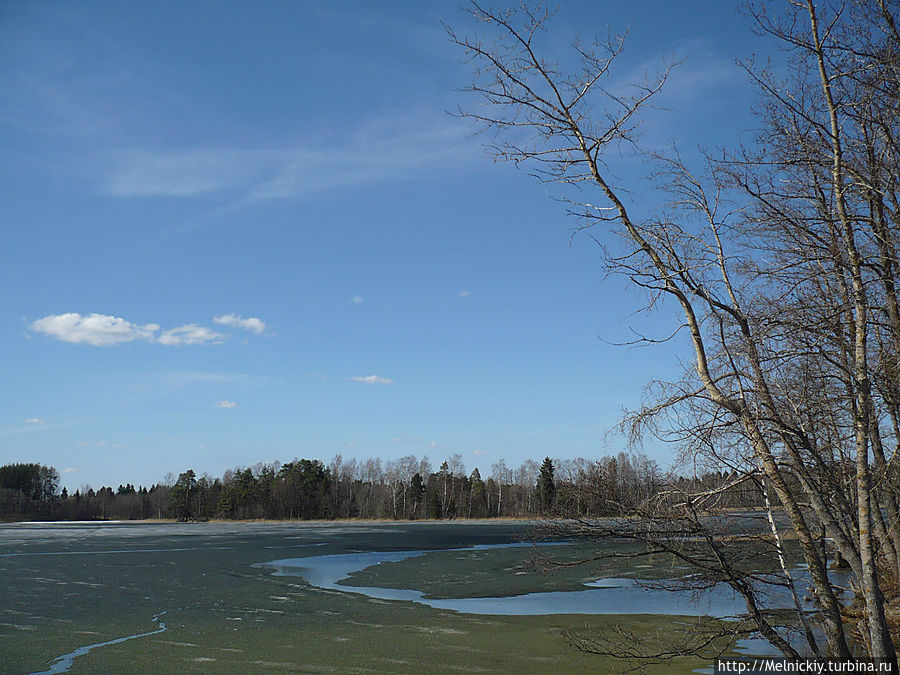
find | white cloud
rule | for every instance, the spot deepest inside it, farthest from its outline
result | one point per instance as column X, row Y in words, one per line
column 100, row 330
column 357, row 300
column 464, row 294
column 69, row 469
column 251, row 323
column 478, row 452
column 103, row 330
column 371, row 379
column 34, row 420
column 190, row 334
column 226, row 404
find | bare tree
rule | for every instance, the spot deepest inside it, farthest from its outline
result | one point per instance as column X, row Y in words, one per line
column 782, row 261
column 502, row 475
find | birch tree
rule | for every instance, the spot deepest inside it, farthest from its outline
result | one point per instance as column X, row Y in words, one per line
column 781, row 261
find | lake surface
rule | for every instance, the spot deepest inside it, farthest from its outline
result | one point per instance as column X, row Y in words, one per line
column 103, row 597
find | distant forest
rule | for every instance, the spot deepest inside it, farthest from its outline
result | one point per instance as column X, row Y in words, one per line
column 403, row 489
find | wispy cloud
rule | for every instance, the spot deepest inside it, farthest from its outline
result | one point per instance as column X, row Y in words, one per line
column 69, row 469
column 226, row 404
column 187, row 173
column 87, row 85
column 176, row 380
column 29, row 427
column 34, row 420
column 190, row 334
column 252, row 323
column 377, row 152
column 371, row 379
column 357, row 300
column 464, row 294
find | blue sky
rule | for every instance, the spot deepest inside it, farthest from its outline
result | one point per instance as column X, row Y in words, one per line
column 240, row 232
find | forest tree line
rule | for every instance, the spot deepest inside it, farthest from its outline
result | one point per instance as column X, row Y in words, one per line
column 407, row 488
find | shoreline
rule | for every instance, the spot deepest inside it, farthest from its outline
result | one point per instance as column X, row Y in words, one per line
column 316, row 521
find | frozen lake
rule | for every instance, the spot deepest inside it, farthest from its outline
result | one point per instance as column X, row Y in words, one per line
column 329, row 597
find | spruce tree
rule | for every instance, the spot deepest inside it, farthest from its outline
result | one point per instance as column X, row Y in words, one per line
column 546, row 488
